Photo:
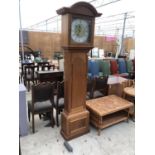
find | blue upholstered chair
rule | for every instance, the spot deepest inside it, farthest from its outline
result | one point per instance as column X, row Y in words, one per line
column 89, row 69
column 122, row 68
column 93, row 68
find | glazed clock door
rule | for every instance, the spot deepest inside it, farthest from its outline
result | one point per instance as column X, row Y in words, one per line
column 80, row 30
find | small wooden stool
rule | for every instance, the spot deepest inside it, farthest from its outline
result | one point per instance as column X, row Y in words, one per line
column 130, row 92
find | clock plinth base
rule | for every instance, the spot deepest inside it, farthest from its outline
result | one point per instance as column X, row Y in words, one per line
column 74, row 125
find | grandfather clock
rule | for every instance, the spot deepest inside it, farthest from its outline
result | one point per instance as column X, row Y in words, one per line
column 77, row 40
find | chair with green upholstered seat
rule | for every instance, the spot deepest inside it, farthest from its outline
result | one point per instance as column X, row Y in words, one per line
column 104, row 66
column 129, row 65
column 130, row 69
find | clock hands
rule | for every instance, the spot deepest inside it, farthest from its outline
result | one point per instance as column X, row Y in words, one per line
column 79, row 30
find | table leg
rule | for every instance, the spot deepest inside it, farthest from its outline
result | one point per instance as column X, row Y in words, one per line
column 133, row 118
column 133, row 115
column 128, row 115
column 99, row 130
column 124, row 95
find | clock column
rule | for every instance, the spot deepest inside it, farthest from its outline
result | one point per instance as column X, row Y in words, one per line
column 75, row 118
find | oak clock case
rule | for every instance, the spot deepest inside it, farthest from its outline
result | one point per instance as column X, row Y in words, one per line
column 80, row 30
column 77, row 39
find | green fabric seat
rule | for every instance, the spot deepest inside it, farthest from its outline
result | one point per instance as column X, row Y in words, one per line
column 104, row 66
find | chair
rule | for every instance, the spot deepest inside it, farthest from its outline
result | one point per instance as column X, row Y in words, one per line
column 113, row 67
column 129, row 94
column 30, row 75
column 89, row 74
column 122, row 68
column 44, row 65
column 93, row 68
column 130, row 69
column 129, row 65
column 104, row 67
column 128, row 83
column 42, row 101
column 23, row 64
column 59, row 100
column 133, row 61
column 100, row 87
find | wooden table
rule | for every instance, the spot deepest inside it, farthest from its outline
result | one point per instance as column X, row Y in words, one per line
column 115, row 85
column 108, row 110
column 50, row 75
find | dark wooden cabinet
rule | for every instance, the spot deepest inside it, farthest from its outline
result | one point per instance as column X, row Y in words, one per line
column 50, row 76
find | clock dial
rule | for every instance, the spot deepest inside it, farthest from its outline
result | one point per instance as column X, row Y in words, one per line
column 80, row 30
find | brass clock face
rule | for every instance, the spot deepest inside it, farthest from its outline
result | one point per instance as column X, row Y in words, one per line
column 80, row 30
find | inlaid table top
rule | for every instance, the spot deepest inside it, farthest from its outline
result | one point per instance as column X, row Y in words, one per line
column 108, row 104
column 130, row 91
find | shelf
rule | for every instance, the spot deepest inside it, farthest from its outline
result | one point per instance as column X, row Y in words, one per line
column 105, row 121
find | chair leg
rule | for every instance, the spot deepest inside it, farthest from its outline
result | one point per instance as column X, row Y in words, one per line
column 40, row 116
column 52, row 119
column 20, row 153
column 25, row 83
column 21, row 78
column 57, row 117
column 28, row 85
column 29, row 114
column 33, row 127
column 36, row 81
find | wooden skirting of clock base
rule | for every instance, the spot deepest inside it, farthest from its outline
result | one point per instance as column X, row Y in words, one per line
column 74, row 125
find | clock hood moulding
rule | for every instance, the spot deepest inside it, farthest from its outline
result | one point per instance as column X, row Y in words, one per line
column 79, row 8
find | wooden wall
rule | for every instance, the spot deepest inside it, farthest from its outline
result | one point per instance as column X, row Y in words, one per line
column 48, row 43
column 129, row 43
column 102, row 43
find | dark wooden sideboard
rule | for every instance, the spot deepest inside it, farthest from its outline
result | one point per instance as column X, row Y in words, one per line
column 50, row 75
